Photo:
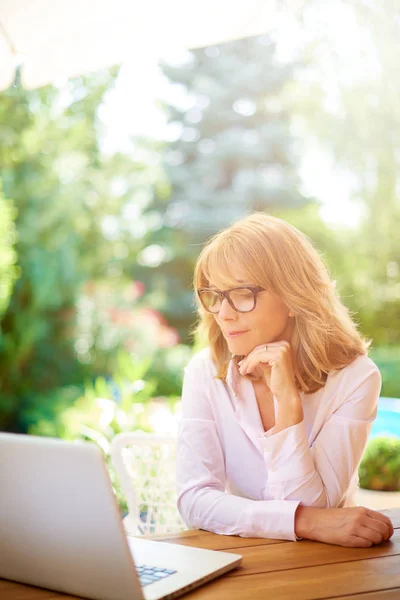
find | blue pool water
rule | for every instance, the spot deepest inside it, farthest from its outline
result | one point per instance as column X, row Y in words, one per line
column 387, row 422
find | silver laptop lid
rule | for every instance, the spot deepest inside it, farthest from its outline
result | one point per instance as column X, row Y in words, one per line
column 60, row 526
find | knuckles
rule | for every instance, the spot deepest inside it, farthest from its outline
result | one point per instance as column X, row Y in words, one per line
column 359, row 518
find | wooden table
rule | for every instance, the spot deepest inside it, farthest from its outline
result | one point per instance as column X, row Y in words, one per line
column 274, row 569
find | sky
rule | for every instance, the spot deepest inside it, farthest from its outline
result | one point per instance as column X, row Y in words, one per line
column 132, row 109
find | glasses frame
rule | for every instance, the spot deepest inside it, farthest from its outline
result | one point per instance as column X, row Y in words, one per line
column 255, row 289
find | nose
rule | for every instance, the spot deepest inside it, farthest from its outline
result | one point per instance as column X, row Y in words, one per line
column 226, row 311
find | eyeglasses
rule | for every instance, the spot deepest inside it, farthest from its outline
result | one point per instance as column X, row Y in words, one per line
column 242, row 299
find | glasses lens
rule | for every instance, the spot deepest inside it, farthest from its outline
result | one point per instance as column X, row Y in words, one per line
column 210, row 300
column 242, row 299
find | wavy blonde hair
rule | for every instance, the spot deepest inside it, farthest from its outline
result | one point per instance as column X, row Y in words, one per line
column 280, row 258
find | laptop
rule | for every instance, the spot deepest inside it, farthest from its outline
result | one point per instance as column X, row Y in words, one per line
column 61, row 529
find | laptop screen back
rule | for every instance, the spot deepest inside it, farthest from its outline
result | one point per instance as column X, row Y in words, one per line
column 60, row 526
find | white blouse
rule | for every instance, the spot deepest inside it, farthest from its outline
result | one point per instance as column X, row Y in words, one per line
column 233, row 478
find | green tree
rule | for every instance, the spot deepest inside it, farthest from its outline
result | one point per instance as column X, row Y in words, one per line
column 233, row 153
column 72, row 202
column 9, row 272
column 356, row 121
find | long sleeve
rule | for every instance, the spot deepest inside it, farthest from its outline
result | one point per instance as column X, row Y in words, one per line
column 320, row 476
column 233, row 478
column 201, row 477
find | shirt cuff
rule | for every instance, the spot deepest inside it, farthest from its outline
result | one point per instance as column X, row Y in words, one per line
column 270, row 519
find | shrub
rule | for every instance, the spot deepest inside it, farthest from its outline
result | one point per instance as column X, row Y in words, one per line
column 387, row 358
column 380, row 466
column 105, row 408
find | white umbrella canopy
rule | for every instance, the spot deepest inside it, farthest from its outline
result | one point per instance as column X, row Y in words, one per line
column 58, row 38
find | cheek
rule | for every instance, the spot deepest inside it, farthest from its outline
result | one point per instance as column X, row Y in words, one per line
column 271, row 316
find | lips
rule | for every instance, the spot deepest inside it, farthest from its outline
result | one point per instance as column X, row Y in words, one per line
column 234, row 333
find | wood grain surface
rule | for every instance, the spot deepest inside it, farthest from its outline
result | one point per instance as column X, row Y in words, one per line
column 275, row 569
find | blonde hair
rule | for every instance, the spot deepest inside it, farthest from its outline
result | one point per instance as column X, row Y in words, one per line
column 280, row 258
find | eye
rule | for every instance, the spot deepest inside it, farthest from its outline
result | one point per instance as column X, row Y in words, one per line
column 210, row 299
column 243, row 292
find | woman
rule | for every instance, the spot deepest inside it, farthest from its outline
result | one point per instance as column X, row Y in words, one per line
column 276, row 412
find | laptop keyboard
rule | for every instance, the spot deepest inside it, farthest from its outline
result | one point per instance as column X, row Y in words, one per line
column 149, row 574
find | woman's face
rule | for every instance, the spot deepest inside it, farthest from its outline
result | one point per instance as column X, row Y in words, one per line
column 268, row 322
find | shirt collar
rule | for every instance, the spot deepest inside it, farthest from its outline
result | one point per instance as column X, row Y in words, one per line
column 233, row 376
column 245, row 404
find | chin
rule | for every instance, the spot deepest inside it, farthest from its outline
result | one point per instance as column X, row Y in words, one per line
column 239, row 349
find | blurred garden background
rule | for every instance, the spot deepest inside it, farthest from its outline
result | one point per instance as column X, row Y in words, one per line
column 111, row 182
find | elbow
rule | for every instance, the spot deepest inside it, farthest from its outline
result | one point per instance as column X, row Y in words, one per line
column 189, row 507
column 196, row 507
column 185, row 507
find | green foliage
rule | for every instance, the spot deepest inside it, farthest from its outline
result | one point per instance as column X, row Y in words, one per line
column 76, row 225
column 9, row 272
column 43, row 410
column 107, row 407
column 359, row 134
column 387, row 359
column 71, row 226
column 380, row 466
column 167, row 369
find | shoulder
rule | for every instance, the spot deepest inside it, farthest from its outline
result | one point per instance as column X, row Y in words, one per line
column 196, row 391
column 359, row 382
column 360, row 369
column 201, row 364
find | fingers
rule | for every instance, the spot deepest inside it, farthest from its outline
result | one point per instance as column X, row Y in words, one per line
column 268, row 354
column 251, row 366
column 276, row 344
column 248, row 365
column 381, row 522
column 357, row 542
column 370, row 533
column 270, row 347
column 391, row 528
column 381, row 528
column 371, row 525
column 364, row 536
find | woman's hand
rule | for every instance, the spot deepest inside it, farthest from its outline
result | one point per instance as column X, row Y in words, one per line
column 355, row 527
column 275, row 360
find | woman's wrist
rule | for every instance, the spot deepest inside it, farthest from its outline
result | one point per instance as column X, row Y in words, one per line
column 305, row 522
column 290, row 397
column 288, row 413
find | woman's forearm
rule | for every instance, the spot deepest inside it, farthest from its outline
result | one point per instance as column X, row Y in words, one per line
column 288, row 412
column 215, row 510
